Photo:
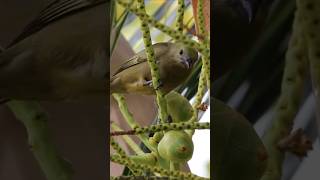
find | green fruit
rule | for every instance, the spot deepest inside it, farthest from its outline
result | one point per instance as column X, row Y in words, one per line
column 176, row 146
column 178, row 107
column 238, row 152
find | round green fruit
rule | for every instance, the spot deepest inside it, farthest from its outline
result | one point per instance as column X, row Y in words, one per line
column 176, row 146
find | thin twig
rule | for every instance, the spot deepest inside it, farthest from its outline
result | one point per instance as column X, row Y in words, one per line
column 128, row 140
column 162, row 127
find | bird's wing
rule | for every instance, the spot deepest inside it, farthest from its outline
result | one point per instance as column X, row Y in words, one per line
column 135, row 60
column 159, row 49
column 54, row 11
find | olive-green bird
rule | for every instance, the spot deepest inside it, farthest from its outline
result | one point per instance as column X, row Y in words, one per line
column 60, row 55
column 175, row 62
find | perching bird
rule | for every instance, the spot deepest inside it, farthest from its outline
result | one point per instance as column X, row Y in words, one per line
column 60, row 55
column 175, row 63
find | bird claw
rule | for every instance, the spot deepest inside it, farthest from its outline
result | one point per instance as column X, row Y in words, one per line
column 150, row 84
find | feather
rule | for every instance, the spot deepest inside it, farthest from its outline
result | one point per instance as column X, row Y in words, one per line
column 141, row 57
column 53, row 12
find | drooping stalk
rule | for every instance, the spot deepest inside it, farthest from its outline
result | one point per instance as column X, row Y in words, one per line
column 187, row 41
column 180, row 16
column 311, row 19
column 35, row 120
column 155, row 72
column 130, row 120
column 122, row 154
column 289, row 101
column 156, row 169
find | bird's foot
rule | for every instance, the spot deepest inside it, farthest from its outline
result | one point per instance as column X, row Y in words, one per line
column 148, row 83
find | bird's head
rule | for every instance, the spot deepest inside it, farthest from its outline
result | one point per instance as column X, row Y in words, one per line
column 188, row 56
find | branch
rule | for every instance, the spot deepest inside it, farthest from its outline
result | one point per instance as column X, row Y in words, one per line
column 155, row 72
column 180, row 16
column 35, row 120
column 122, row 154
column 128, row 140
column 290, row 99
column 167, row 30
column 130, row 120
column 162, row 171
column 163, row 127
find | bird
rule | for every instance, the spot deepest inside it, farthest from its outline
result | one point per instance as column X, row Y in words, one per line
column 59, row 56
column 175, row 62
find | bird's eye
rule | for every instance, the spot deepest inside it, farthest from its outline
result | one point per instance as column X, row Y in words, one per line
column 181, row 52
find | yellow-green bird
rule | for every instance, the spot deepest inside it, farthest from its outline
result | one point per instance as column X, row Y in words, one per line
column 175, row 62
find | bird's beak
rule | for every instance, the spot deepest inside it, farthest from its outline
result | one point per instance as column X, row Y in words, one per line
column 186, row 62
